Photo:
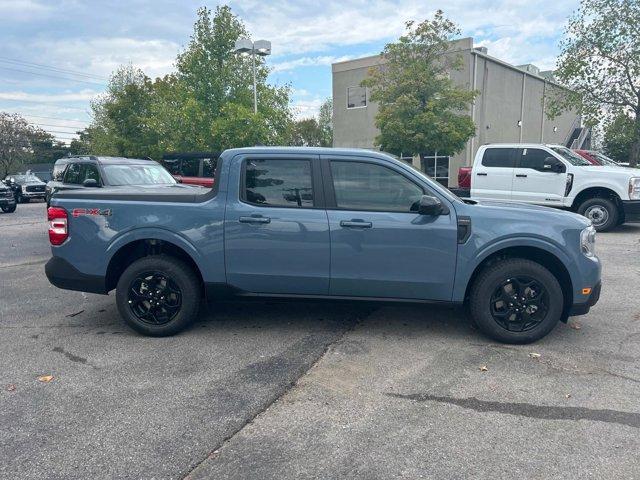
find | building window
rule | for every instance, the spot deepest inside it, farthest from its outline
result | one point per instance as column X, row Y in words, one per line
column 437, row 167
column 356, row 97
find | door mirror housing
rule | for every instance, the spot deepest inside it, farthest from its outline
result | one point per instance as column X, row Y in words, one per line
column 552, row 164
column 432, row 206
column 90, row 182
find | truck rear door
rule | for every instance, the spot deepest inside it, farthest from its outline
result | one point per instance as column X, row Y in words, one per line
column 492, row 175
column 276, row 230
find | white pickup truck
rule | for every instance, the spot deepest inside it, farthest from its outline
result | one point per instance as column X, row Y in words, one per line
column 555, row 176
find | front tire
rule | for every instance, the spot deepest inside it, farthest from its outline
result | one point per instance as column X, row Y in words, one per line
column 158, row 295
column 603, row 213
column 516, row 301
column 10, row 209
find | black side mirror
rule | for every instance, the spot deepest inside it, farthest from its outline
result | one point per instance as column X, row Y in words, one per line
column 90, row 182
column 431, row 206
column 552, row 164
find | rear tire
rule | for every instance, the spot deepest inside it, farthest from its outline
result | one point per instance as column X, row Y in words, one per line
column 603, row 213
column 158, row 295
column 516, row 301
column 10, row 209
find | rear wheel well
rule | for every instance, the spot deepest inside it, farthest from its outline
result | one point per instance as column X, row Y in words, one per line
column 137, row 249
column 538, row 255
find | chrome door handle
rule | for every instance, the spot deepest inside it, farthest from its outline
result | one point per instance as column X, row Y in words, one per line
column 254, row 220
column 355, row 224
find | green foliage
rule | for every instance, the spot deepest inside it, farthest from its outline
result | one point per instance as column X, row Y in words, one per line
column 600, row 63
column 22, row 143
column 420, row 107
column 311, row 132
column 618, row 137
column 206, row 105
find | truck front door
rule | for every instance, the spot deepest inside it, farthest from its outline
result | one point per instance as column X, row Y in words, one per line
column 533, row 183
column 276, row 232
column 380, row 245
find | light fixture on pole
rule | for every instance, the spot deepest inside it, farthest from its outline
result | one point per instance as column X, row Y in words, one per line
column 244, row 46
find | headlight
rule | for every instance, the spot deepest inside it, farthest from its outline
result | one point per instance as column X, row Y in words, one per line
column 588, row 241
column 634, row 188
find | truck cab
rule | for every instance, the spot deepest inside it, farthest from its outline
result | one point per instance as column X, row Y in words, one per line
column 555, row 176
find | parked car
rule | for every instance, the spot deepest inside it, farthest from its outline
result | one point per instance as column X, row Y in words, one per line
column 597, row 158
column 89, row 172
column 193, row 168
column 322, row 224
column 7, row 201
column 553, row 175
column 26, row 187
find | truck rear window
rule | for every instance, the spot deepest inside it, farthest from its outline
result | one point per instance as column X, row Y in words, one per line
column 499, row 157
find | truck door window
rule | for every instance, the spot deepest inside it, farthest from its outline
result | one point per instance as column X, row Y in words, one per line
column 72, row 174
column 89, row 172
column 533, row 158
column 190, row 167
column 499, row 157
column 208, row 167
column 278, row 183
column 367, row 186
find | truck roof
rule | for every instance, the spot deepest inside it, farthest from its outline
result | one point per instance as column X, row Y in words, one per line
column 522, row 145
column 105, row 160
column 309, row 150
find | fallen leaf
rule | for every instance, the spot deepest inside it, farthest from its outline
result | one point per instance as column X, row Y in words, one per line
column 534, row 355
column 575, row 325
column 483, row 368
column 45, row 378
column 11, row 388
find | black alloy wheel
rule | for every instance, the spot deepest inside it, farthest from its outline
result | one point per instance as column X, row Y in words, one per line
column 154, row 299
column 519, row 304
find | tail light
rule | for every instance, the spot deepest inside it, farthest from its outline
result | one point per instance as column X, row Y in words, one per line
column 58, row 228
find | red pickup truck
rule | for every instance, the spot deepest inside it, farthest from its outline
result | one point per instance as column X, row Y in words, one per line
column 193, row 168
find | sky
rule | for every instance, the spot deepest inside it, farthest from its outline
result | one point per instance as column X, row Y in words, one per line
column 55, row 56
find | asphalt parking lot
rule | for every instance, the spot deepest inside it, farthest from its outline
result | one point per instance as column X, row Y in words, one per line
column 311, row 391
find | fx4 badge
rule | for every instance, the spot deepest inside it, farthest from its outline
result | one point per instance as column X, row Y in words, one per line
column 77, row 212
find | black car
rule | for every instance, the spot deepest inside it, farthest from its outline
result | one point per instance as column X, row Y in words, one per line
column 7, row 201
column 72, row 173
column 26, row 187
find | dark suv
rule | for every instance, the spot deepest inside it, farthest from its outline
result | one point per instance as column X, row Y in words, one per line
column 7, row 202
column 72, row 173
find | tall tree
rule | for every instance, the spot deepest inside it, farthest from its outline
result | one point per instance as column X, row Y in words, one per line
column 15, row 142
column 325, row 123
column 600, row 63
column 619, row 137
column 420, row 107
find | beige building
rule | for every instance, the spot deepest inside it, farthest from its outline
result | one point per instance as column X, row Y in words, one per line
column 509, row 108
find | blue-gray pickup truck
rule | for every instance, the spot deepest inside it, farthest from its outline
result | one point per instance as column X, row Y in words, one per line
column 318, row 223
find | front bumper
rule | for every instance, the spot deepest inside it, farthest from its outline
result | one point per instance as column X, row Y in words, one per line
column 32, row 194
column 64, row 275
column 631, row 210
column 583, row 308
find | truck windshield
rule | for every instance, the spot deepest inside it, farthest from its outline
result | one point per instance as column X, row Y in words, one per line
column 604, row 160
column 137, row 175
column 571, row 157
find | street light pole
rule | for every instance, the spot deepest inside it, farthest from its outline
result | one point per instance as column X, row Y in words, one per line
column 244, row 46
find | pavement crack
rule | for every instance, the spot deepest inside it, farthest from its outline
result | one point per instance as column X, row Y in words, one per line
column 542, row 412
column 262, row 371
column 25, row 264
column 72, row 357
